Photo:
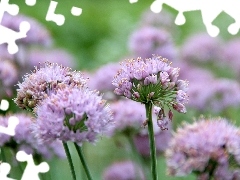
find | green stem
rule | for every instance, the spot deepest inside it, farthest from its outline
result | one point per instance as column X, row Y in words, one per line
column 148, row 107
column 80, row 154
column 136, row 155
column 3, row 157
column 69, row 160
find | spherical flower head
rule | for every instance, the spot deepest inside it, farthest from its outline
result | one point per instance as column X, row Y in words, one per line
column 203, row 147
column 8, row 73
column 25, row 140
column 37, row 34
column 101, row 80
column 152, row 80
column 226, row 94
column 231, row 55
column 201, row 48
column 124, row 170
column 128, row 115
column 43, row 81
column 36, row 57
column 150, row 40
column 72, row 114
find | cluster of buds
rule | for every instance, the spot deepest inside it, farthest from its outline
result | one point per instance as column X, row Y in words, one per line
column 153, row 81
column 162, row 119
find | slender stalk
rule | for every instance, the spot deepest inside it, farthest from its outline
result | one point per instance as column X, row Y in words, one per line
column 3, row 157
column 136, row 155
column 85, row 167
column 69, row 160
column 153, row 157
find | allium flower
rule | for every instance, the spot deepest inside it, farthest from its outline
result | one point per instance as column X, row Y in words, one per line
column 128, row 116
column 72, row 114
column 37, row 33
column 8, row 73
column 150, row 40
column 201, row 48
column 8, row 77
column 163, row 20
column 208, row 147
column 124, row 170
column 152, row 81
column 226, row 94
column 44, row 81
column 101, row 80
column 25, row 140
column 58, row 56
column 232, row 55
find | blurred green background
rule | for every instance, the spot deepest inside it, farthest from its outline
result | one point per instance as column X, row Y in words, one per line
column 100, row 35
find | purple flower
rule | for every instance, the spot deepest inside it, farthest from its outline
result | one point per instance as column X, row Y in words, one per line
column 163, row 20
column 128, row 115
column 8, row 77
column 25, row 140
column 101, row 80
column 8, row 73
column 150, row 40
column 58, row 56
column 44, row 81
column 72, row 114
column 232, row 55
column 151, row 80
column 201, row 48
column 205, row 147
column 124, row 170
column 37, row 33
column 226, row 94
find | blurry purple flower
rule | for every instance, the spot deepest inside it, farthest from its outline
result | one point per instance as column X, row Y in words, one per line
column 100, row 80
column 232, row 55
column 201, row 48
column 204, row 147
column 8, row 73
column 163, row 20
column 8, row 77
column 226, row 94
column 58, row 56
column 25, row 140
column 151, row 80
column 125, row 170
column 37, row 33
column 44, row 81
column 149, row 40
column 128, row 115
column 72, row 114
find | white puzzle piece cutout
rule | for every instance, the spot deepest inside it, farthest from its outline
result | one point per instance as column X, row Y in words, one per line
column 30, row 2
column 133, row 1
column 4, row 105
column 76, row 11
column 31, row 171
column 209, row 10
column 59, row 19
column 7, row 35
column 4, row 171
column 12, row 124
